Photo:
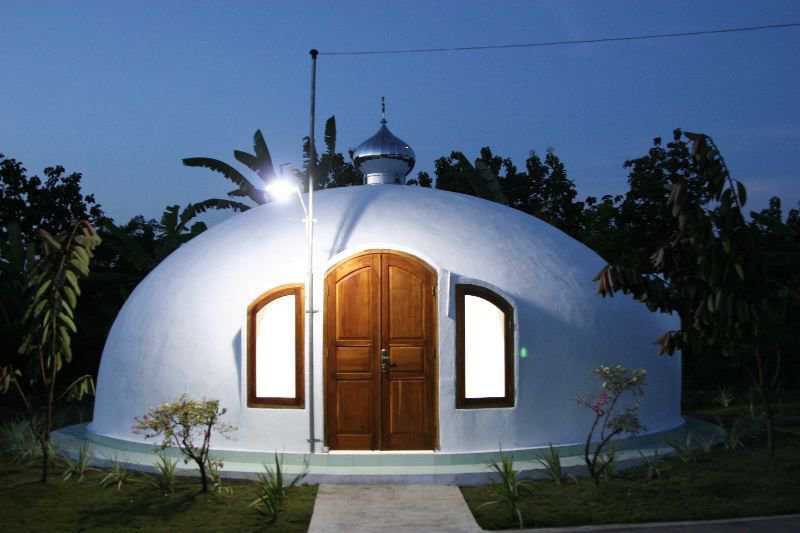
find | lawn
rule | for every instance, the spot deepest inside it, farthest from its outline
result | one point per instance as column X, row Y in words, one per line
column 720, row 484
column 28, row 505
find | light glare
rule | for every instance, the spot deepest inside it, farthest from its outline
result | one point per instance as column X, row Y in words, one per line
column 281, row 189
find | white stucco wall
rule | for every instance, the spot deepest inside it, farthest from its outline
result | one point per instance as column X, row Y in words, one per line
column 182, row 329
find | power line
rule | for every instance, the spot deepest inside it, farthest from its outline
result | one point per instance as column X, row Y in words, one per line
column 560, row 43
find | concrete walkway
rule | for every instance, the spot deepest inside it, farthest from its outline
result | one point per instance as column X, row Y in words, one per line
column 441, row 508
column 400, row 508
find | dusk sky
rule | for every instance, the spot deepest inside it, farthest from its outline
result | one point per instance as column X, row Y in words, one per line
column 122, row 91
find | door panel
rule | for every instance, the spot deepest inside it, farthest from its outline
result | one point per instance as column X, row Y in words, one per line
column 354, row 359
column 380, row 301
column 406, row 303
column 407, row 358
column 407, row 331
column 353, row 305
column 352, row 376
column 407, row 407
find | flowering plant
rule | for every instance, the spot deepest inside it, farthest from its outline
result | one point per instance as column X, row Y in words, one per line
column 616, row 381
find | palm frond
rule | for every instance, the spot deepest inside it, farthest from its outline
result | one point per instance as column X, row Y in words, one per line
column 230, row 173
column 262, row 153
column 330, row 135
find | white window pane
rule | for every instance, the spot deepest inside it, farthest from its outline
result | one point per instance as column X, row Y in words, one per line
column 484, row 349
column 275, row 349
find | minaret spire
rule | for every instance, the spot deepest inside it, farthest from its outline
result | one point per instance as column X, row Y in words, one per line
column 383, row 110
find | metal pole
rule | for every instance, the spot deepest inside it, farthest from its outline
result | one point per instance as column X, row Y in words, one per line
column 310, row 241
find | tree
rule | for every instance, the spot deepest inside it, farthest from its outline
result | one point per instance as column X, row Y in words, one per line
column 423, row 179
column 188, row 425
column 54, row 286
column 16, row 260
column 544, row 190
column 455, row 173
column 552, row 194
column 640, row 222
column 601, row 226
column 708, row 269
column 50, row 203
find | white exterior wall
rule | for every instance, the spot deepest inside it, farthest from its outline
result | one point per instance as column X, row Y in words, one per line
column 183, row 330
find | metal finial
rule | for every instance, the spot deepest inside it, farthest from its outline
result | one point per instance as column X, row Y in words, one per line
column 383, row 110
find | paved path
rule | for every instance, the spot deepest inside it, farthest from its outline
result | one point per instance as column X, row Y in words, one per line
column 395, row 508
column 441, row 508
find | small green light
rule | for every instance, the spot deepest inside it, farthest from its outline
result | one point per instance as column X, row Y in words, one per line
column 523, row 352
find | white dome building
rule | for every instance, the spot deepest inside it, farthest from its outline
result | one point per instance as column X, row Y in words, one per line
column 446, row 324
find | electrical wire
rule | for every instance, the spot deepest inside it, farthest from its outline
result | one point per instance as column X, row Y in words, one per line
column 561, row 43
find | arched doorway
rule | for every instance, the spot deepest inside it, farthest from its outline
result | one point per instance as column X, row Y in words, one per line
column 380, row 357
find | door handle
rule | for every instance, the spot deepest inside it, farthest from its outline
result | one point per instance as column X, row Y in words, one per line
column 386, row 362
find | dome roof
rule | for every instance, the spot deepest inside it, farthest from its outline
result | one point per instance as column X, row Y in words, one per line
column 384, row 158
column 183, row 329
column 384, row 144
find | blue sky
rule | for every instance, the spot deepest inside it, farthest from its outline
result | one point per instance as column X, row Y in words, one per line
column 122, row 91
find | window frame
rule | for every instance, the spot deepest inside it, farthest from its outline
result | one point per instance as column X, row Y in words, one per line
column 462, row 402
column 298, row 402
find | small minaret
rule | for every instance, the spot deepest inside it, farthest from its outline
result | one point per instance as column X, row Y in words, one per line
column 383, row 158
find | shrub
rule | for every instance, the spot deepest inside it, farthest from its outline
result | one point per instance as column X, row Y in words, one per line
column 510, row 488
column 187, row 425
column 551, row 461
column 272, row 491
column 607, row 424
column 19, row 440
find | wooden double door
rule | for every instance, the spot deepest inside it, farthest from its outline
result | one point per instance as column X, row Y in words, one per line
column 380, row 360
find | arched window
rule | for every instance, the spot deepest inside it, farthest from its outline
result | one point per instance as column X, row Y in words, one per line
column 275, row 349
column 484, row 349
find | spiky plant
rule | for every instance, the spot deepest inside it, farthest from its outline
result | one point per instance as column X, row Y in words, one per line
column 272, row 492
column 551, row 462
column 78, row 468
column 165, row 473
column 686, row 450
column 117, row 476
column 510, row 488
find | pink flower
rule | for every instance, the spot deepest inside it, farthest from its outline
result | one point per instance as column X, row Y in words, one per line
column 599, row 403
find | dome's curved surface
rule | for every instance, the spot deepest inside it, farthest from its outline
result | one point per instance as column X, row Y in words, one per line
column 181, row 331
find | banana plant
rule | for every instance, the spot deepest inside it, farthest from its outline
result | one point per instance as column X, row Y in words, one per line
column 260, row 163
column 49, row 323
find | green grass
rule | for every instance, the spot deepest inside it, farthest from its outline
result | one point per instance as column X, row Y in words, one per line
column 28, row 505
column 721, row 484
